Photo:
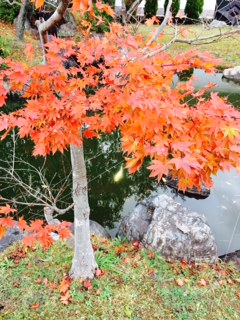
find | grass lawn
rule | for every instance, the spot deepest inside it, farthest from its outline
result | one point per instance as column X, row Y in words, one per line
column 133, row 284
column 227, row 49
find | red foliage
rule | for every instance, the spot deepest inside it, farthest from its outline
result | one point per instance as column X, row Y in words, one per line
column 129, row 92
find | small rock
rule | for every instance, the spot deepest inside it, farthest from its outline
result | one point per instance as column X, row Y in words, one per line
column 217, row 24
column 12, row 235
column 232, row 73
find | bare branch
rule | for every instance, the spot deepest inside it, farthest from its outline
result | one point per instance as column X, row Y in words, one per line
column 163, row 24
column 215, row 37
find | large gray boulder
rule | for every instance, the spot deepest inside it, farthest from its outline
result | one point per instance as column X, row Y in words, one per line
column 232, row 73
column 167, row 227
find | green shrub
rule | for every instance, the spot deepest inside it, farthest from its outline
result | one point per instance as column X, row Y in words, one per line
column 194, row 8
column 5, row 48
column 7, row 12
column 150, row 8
column 175, row 6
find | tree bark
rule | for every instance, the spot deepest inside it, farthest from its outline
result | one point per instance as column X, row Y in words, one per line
column 21, row 19
column 83, row 264
column 44, row 26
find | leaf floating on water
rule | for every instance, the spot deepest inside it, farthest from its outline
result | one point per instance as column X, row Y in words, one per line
column 119, row 175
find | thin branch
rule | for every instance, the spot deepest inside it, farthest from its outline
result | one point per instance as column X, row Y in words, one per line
column 215, row 37
column 163, row 24
column 165, row 47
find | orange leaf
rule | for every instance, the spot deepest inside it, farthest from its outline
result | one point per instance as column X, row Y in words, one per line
column 184, row 265
column 65, row 285
column 29, row 51
column 202, row 283
column 98, row 292
column 66, row 298
column 7, row 210
column 22, row 224
column 35, row 305
column 2, row 232
column 29, row 241
column 151, row 255
column 64, row 233
column 38, row 281
column 230, row 282
column 38, row 3
column 180, row 282
column 87, row 285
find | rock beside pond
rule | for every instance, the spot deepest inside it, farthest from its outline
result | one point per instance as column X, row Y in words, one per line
column 232, row 257
column 232, row 73
column 167, row 227
column 191, row 193
column 67, row 30
column 96, row 229
column 12, row 235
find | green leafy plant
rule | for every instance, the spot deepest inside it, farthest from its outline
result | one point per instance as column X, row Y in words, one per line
column 8, row 12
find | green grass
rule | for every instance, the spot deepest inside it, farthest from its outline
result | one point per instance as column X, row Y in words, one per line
column 227, row 49
column 135, row 285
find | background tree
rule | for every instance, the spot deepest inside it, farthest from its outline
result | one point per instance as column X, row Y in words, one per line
column 194, row 8
column 150, row 8
column 175, row 7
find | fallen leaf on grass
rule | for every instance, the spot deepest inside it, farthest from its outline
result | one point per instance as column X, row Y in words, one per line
column 16, row 284
column 65, row 285
column 35, row 305
column 65, row 298
column 202, row 283
column 150, row 271
column 99, row 273
column 151, row 256
column 223, row 273
column 230, row 282
column 87, row 285
column 180, row 282
column 38, row 281
column 184, row 265
column 98, row 292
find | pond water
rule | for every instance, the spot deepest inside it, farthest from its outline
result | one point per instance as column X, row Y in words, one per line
column 110, row 200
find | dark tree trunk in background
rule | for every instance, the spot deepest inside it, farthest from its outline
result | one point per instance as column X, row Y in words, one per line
column 21, row 19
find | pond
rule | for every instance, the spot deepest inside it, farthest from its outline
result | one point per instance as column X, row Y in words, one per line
column 110, row 200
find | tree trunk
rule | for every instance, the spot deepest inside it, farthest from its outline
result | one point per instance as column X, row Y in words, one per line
column 21, row 19
column 83, row 264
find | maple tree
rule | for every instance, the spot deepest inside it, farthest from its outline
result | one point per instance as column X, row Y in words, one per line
column 119, row 82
